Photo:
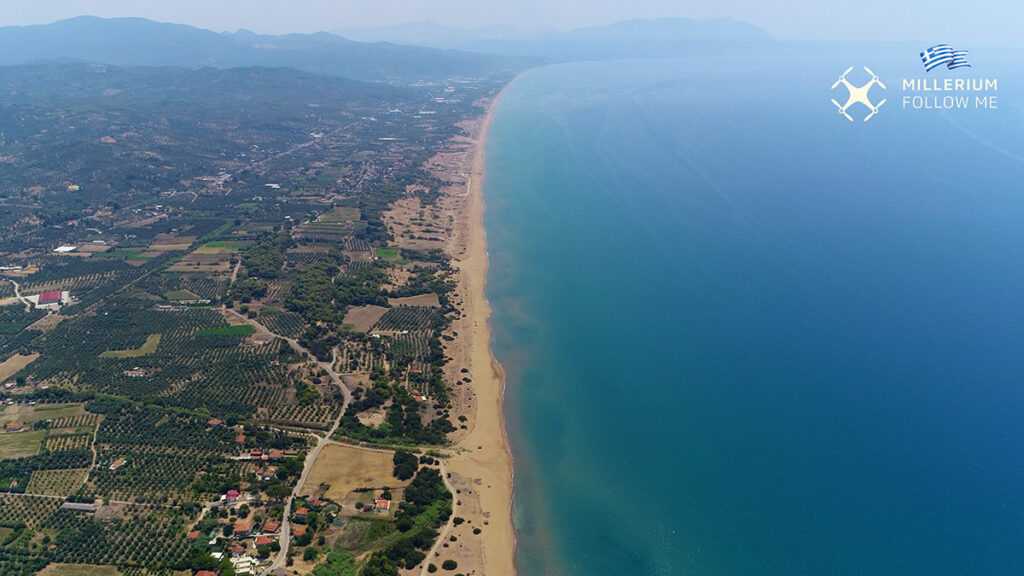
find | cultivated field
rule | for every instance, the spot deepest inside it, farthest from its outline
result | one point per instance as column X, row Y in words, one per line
column 78, row 570
column 364, row 317
column 14, row 364
column 148, row 347
column 30, row 414
column 20, row 444
column 346, row 468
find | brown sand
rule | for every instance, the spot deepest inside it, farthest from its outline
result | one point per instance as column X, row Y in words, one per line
column 482, row 457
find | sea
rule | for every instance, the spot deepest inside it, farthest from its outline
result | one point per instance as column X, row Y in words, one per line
column 747, row 336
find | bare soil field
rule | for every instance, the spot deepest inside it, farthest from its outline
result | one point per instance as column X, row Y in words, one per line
column 364, row 317
column 421, row 300
column 346, row 468
column 14, row 364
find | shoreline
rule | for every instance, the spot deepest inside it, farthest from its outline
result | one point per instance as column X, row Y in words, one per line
column 483, row 458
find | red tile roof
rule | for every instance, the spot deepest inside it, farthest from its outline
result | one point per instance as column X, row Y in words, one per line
column 299, row 530
column 243, row 526
column 263, row 540
column 271, row 526
column 49, row 296
column 193, row 535
column 302, row 511
column 206, row 573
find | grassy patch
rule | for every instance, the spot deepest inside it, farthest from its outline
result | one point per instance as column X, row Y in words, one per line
column 30, row 414
column 20, row 444
column 12, row 327
column 147, row 348
column 122, row 254
column 220, row 247
column 182, row 295
column 239, row 330
column 387, row 253
column 78, row 570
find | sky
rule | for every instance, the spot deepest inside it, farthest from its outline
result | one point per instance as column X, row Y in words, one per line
column 989, row 22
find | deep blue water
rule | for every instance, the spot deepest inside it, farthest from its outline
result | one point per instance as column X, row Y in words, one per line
column 745, row 336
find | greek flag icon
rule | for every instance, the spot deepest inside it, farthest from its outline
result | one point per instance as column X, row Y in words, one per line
column 944, row 54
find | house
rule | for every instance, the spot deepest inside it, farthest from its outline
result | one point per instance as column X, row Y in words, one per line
column 213, row 422
column 276, row 455
column 240, row 439
column 301, row 513
column 77, row 506
column 298, row 531
column 264, row 541
column 236, row 550
column 243, row 564
column 270, row 473
column 382, row 505
column 50, row 297
column 242, row 528
column 193, row 535
column 117, row 464
column 231, row 496
column 15, row 427
column 206, row 573
column 271, row 526
column 255, row 454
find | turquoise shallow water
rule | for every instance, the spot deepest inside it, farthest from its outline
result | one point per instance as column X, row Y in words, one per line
column 744, row 336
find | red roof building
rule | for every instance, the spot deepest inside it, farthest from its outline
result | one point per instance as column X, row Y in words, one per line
column 232, row 495
column 213, row 422
column 49, row 297
column 242, row 528
column 298, row 530
column 240, row 438
column 264, row 540
column 301, row 513
column 206, row 573
column 193, row 535
column 382, row 504
column 271, row 526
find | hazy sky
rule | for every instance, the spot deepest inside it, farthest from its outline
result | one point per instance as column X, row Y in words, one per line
column 956, row 22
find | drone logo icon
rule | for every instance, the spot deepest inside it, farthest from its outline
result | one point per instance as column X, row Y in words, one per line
column 858, row 94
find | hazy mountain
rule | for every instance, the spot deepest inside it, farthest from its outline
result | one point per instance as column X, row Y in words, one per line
column 657, row 38
column 434, row 35
column 140, row 42
column 662, row 37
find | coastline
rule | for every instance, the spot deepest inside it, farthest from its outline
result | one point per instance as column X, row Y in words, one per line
column 481, row 464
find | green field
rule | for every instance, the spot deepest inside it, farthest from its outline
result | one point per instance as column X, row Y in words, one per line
column 342, row 214
column 30, row 414
column 220, row 247
column 387, row 253
column 122, row 254
column 239, row 330
column 20, row 444
column 147, row 348
column 12, row 327
column 183, row 295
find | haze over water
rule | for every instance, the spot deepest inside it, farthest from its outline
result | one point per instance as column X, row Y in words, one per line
column 745, row 336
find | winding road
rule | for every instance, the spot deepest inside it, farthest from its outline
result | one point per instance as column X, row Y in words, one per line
column 324, row 440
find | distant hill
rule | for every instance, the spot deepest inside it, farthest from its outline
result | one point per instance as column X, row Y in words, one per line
column 655, row 38
column 141, row 42
column 433, row 35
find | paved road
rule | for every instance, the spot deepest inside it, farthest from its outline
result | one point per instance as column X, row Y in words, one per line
column 321, row 442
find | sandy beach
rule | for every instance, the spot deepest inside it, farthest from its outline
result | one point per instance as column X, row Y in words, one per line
column 481, row 464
